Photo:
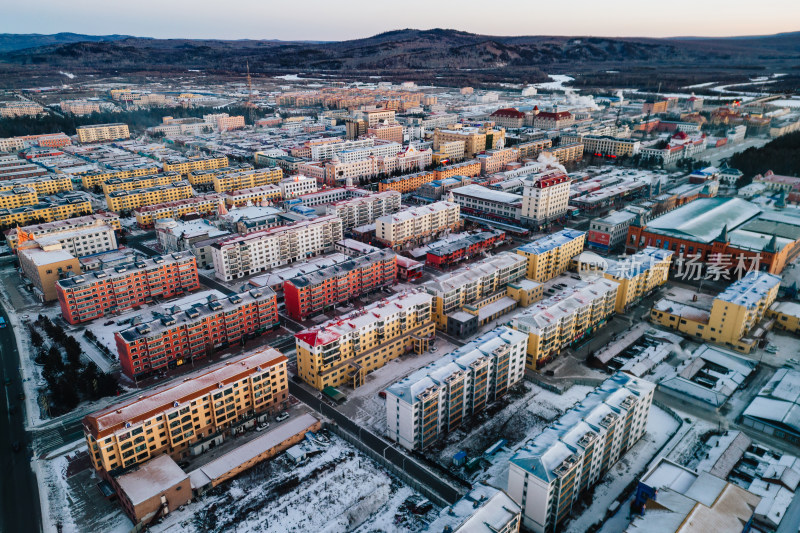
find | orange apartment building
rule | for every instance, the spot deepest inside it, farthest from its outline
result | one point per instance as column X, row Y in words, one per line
column 310, row 294
column 182, row 336
column 114, row 290
column 407, row 183
column 184, row 414
column 471, row 168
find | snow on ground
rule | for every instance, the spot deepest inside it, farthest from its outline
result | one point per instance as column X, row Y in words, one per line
column 699, row 85
column 557, row 84
column 519, row 416
column 660, row 428
column 338, row 490
column 794, row 102
column 366, row 407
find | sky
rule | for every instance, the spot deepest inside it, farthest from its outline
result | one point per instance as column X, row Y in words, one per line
column 329, row 20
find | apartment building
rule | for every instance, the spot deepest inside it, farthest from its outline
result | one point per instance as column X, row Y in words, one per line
column 549, row 256
column 180, row 416
column 328, row 150
column 606, row 146
column 566, row 152
column 57, row 228
column 471, row 169
column 44, row 266
column 475, row 284
column 451, row 151
column 235, row 181
column 482, row 202
column 532, row 149
column 140, row 182
column 610, row 231
column 21, row 109
column 18, row 197
column 343, row 351
column 496, row 160
column 362, row 210
column 117, row 289
column 444, row 253
column 638, row 275
column 81, row 242
column 476, row 140
column 59, row 209
column 417, row 224
column 253, row 196
column 565, row 318
column 387, row 132
column 442, row 396
column 337, row 173
column 205, row 178
column 17, row 144
column 732, row 316
column 508, row 117
column 181, row 336
column 260, row 250
column 545, row 197
column 184, row 166
column 79, row 107
column 102, row 132
column 90, row 180
column 549, row 473
column 310, row 294
column 43, row 185
column 202, row 205
column 406, row 183
column 373, row 117
column 297, row 186
column 483, row 509
column 119, row 201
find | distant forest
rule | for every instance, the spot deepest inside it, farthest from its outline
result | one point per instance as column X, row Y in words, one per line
column 782, row 156
column 137, row 120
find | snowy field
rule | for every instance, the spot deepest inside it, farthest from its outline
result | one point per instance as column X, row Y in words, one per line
column 338, row 490
column 346, row 490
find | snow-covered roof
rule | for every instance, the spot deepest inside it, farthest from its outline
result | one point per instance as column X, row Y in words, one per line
column 252, row 449
column 751, row 289
column 39, row 257
column 468, row 274
column 704, row 219
column 778, row 402
column 151, row 478
column 490, row 195
column 552, row 241
column 483, row 510
column 193, row 385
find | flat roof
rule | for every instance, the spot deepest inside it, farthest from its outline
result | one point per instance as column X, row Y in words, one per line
column 151, row 478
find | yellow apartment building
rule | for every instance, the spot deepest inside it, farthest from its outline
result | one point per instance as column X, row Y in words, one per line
column 206, row 177
column 44, row 267
column 119, row 201
column 95, row 179
column 189, row 415
column 342, row 352
column 43, row 185
column 406, row 183
column 254, row 195
column 565, row 318
column 102, row 132
column 184, row 166
column 639, row 274
column 237, row 181
column 476, row 140
column 567, row 152
column 786, row 316
column 45, row 212
column 205, row 204
column 469, row 168
column 550, row 256
column 18, row 197
column 730, row 319
column 140, row 182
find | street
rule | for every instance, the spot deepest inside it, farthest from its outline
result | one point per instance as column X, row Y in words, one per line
column 424, row 475
column 19, row 492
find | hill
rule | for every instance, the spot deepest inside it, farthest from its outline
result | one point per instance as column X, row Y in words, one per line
column 21, row 41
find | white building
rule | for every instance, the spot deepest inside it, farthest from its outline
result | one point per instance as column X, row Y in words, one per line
column 488, row 203
column 297, row 186
column 81, row 242
column 417, row 223
column 320, row 152
column 244, row 255
column 548, row 474
column 483, row 509
column 363, row 210
column 445, row 394
column 545, row 197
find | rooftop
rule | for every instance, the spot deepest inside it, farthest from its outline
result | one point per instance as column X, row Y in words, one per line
column 483, row 510
column 151, row 478
column 703, row 219
column 552, row 241
column 491, row 195
column 142, row 263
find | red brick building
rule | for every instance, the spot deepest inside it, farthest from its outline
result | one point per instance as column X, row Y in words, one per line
column 113, row 290
column 461, row 249
column 310, row 294
column 182, row 336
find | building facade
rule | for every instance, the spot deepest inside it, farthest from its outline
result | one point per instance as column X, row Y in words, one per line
column 549, row 256
column 102, row 132
column 417, row 224
column 545, row 197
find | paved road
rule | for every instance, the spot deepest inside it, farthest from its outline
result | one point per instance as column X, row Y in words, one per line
column 447, row 490
column 716, row 155
column 19, row 492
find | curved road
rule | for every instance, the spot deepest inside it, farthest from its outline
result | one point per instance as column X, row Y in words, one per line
column 19, row 492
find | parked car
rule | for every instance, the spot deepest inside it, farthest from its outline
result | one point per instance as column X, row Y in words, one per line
column 262, row 427
column 382, row 394
column 281, row 417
